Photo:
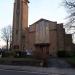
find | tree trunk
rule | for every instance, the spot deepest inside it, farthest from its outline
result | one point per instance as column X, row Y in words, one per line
column 7, row 45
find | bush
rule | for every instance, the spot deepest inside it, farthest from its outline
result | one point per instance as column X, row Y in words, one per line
column 5, row 54
column 61, row 53
column 20, row 54
column 65, row 53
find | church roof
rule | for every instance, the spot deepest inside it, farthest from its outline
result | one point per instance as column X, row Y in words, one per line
column 43, row 20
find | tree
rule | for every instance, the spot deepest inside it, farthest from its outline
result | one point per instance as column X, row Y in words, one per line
column 70, row 25
column 6, row 34
column 70, row 5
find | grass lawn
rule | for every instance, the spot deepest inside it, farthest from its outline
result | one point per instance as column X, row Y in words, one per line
column 15, row 59
column 20, row 61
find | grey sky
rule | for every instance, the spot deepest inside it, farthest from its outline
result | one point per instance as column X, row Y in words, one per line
column 48, row 9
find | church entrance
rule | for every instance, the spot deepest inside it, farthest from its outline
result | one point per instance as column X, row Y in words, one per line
column 43, row 50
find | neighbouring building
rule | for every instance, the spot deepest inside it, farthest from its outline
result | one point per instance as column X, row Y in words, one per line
column 44, row 37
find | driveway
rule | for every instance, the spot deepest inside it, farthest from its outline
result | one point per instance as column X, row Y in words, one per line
column 58, row 63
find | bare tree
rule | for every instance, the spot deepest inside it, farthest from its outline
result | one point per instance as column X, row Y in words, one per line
column 70, row 25
column 6, row 34
column 70, row 5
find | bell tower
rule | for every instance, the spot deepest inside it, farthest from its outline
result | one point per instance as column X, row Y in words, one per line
column 20, row 23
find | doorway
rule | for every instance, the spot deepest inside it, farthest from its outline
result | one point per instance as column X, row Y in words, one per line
column 43, row 50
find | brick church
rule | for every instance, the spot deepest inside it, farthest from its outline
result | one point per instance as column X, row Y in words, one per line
column 44, row 36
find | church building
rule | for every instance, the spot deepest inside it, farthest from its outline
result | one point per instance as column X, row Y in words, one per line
column 44, row 37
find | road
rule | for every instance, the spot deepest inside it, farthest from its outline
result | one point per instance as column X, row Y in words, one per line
column 24, row 70
column 13, row 72
column 56, row 66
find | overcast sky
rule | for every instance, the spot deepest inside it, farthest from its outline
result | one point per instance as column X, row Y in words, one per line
column 48, row 9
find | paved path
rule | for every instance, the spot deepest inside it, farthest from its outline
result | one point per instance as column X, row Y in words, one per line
column 58, row 63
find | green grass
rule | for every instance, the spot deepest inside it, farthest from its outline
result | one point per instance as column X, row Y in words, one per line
column 15, row 59
column 12, row 61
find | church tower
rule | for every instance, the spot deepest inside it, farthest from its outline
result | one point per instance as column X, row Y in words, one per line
column 20, row 23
